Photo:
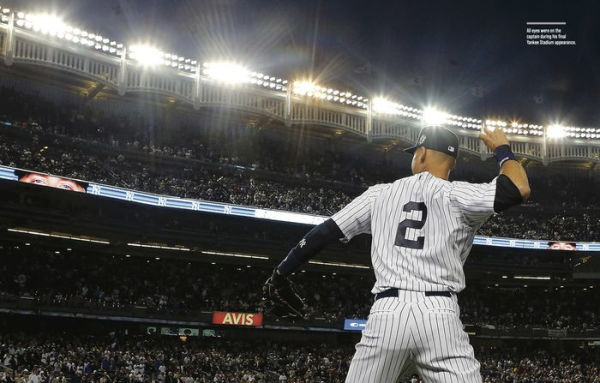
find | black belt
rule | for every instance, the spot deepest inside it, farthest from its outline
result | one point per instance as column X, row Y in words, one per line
column 394, row 293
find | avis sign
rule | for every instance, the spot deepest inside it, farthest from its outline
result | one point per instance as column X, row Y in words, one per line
column 237, row 319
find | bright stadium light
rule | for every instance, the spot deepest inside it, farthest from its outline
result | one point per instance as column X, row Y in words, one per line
column 146, row 55
column 555, row 131
column 50, row 24
column 44, row 23
column 310, row 89
column 495, row 123
column 304, row 88
column 227, row 72
column 433, row 117
column 385, row 106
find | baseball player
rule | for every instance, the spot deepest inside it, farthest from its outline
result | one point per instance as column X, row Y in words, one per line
column 422, row 230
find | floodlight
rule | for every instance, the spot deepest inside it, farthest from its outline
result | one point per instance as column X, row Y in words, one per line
column 555, row 131
column 433, row 117
column 385, row 106
column 146, row 55
column 227, row 72
column 46, row 24
column 304, row 87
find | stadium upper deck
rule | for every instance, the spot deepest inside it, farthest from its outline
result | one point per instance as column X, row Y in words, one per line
column 116, row 69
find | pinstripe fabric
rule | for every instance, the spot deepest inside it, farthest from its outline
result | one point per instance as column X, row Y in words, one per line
column 423, row 229
column 355, row 218
column 455, row 211
column 414, row 333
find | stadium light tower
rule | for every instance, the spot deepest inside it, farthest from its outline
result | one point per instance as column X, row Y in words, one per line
column 146, row 55
column 434, row 117
column 555, row 131
column 227, row 72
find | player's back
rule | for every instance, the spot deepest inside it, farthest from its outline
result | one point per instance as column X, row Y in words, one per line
column 421, row 235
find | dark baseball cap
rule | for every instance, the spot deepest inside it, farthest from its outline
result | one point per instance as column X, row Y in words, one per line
column 437, row 138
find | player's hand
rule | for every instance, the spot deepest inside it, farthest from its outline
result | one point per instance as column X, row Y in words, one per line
column 279, row 294
column 493, row 138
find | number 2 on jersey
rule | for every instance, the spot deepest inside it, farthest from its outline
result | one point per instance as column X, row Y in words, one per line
column 413, row 224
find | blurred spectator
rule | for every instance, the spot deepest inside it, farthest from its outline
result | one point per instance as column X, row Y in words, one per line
column 67, row 357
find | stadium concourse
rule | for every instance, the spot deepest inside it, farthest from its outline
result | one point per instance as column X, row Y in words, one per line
column 253, row 167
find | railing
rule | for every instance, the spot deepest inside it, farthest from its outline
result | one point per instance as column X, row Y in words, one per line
column 120, row 72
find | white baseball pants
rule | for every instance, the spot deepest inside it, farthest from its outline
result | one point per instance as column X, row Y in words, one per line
column 412, row 333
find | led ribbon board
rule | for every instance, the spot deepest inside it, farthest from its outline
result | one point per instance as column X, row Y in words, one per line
column 14, row 174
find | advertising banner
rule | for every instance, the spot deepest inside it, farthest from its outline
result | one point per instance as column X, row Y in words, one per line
column 237, row 319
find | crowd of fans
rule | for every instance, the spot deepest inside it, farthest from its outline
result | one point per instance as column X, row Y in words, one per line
column 164, row 286
column 61, row 358
column 233, row 144
column 584, row 226
column 553, row 307
column 144, row 359
column 191, row 181
column 184, row 289
column 539, row 366
column 248, row 166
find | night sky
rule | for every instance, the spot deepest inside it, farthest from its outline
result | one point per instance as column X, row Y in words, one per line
column 466, row 57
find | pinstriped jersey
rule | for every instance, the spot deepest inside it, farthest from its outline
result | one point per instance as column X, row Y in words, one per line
column 422, row 228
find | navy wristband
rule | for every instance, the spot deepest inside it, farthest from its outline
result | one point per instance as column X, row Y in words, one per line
column 503, row 153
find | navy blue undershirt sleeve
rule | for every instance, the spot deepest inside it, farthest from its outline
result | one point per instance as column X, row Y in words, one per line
column 507, row 194
column 313, row 242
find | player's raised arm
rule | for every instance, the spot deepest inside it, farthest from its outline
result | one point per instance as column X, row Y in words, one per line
column 497, row 142
column 477, row 202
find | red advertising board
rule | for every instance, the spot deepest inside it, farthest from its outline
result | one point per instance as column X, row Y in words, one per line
column 237, row 319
